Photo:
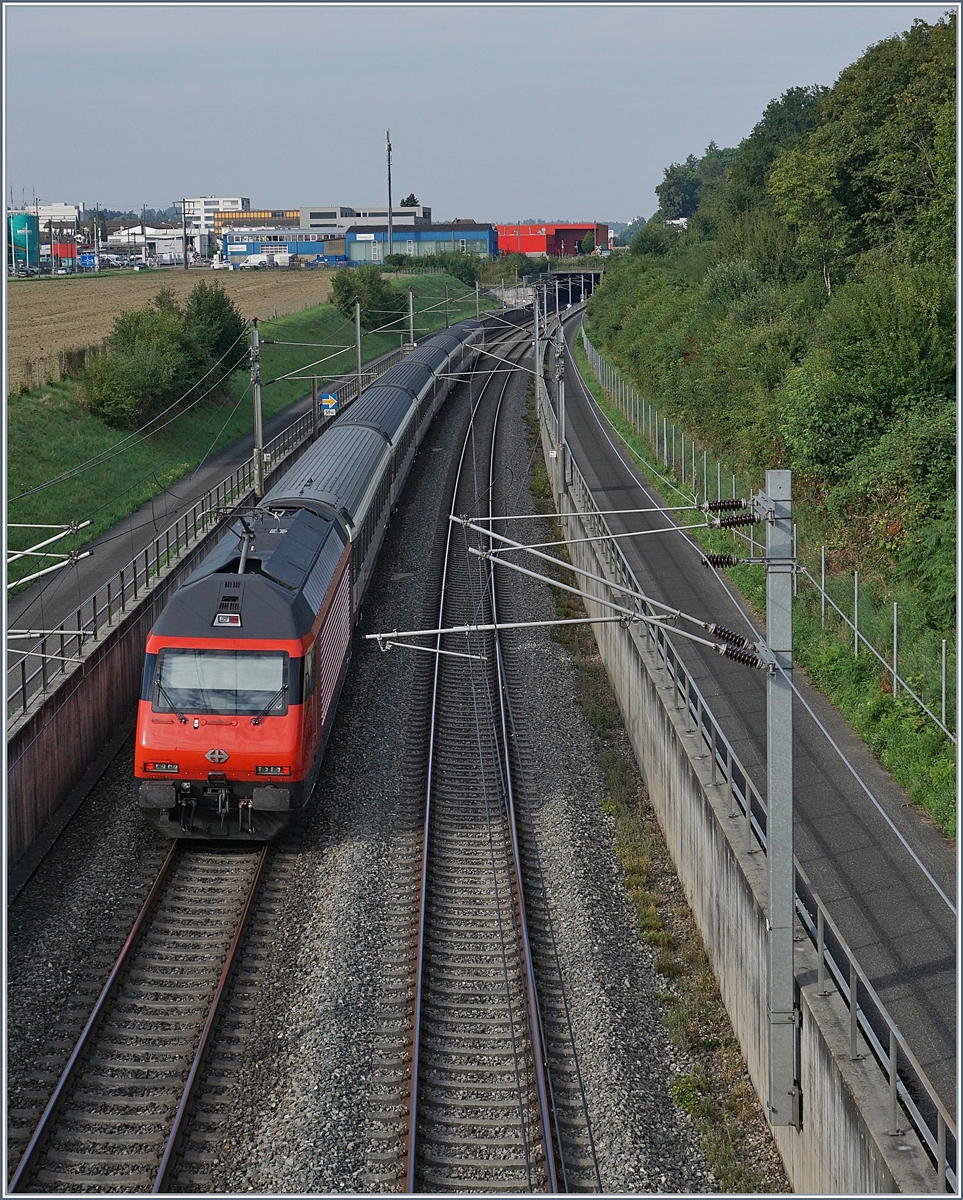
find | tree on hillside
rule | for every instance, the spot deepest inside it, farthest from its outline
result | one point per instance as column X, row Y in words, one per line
column 804, row 190
column 679, row 190
column 366, row 286
column 216, row 322
column 652, row 238
column 687, row 186
column 784, row 122
column 877, row 128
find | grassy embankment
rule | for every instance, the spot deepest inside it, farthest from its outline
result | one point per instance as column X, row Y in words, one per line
column 50, row 432
column 717, row 1093
column 911, row 747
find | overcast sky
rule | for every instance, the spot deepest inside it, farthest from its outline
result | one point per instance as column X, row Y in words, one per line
column 497, row 112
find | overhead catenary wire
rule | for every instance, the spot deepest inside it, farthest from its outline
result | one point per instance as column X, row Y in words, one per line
column 509, row 544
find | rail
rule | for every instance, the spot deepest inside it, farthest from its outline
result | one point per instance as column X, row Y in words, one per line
column 908, row 1083
column 44, row 1134
column 65, row 646
column 56, row 1101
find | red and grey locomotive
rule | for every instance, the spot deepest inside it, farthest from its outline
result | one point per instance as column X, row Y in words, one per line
column 245, row 664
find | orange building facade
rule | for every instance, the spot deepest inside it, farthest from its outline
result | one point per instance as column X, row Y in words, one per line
column 557, row 241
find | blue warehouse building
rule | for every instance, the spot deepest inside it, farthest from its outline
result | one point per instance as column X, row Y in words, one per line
column 370, row 243
column 361, row 243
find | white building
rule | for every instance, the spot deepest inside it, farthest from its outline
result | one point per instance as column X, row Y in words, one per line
column 200, row 210
column 58, row 212
column 163, row 246
column 336, row 218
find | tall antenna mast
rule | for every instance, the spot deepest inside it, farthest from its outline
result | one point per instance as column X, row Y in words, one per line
column 388, row 148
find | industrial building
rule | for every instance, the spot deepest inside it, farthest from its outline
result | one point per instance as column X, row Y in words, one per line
column 356, row 239
column 370, row 244
column 553, row 240
column 58, row 212
column 200, row 211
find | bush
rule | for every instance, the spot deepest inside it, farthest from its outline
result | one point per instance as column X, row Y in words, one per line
column 160, row 354
column 454, row 262
column 216, row 323
column 380, row 301
column 126, row 388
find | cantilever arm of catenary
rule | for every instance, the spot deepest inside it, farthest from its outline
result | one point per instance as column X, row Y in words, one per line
column 727, row 651
column 612, row 537
column 606, row 512
column 384, row 642
column 674, row 613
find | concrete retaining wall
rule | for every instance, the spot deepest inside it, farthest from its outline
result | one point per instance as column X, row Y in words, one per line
column 844, row 1144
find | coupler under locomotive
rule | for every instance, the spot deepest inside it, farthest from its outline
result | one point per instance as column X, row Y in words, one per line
column 219, row 808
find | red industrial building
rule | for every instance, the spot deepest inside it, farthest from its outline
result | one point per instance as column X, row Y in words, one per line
column 557, row 241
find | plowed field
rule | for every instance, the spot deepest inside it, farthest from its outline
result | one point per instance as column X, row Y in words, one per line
column 44, row 316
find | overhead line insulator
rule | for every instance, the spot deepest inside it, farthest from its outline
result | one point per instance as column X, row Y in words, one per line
column 720, row 560
column 741, row 656
column 724, row 505
column 732, row 522
column 730, row 636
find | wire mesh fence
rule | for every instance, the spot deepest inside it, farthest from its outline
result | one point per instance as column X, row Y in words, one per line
column 860, row 613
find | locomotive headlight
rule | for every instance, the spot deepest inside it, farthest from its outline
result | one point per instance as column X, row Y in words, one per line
column 162, row 768
column 272, row 770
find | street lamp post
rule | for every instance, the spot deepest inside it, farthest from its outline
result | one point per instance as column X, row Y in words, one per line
column 258, row 428
column 390, row 227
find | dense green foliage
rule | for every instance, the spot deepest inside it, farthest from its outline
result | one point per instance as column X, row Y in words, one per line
column 459, row 263
column 806, row 316
column 380, row 301
column 162, row 355
column 505, row 266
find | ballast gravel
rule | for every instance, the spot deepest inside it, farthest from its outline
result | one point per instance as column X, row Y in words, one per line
column 299, row 1099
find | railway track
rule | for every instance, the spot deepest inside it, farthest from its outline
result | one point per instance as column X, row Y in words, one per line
column 115, row 1118
column 468, row 1104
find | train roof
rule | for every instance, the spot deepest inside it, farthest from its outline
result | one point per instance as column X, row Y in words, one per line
column 431, row 354
column 290, row 565
column 448, row 341
column 335, row 474
column 382, row 408
column 413, row 376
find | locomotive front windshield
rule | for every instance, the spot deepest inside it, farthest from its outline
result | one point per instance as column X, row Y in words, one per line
column 222, row 682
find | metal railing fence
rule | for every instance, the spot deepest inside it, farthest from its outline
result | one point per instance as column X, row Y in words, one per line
column 908, row 1083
